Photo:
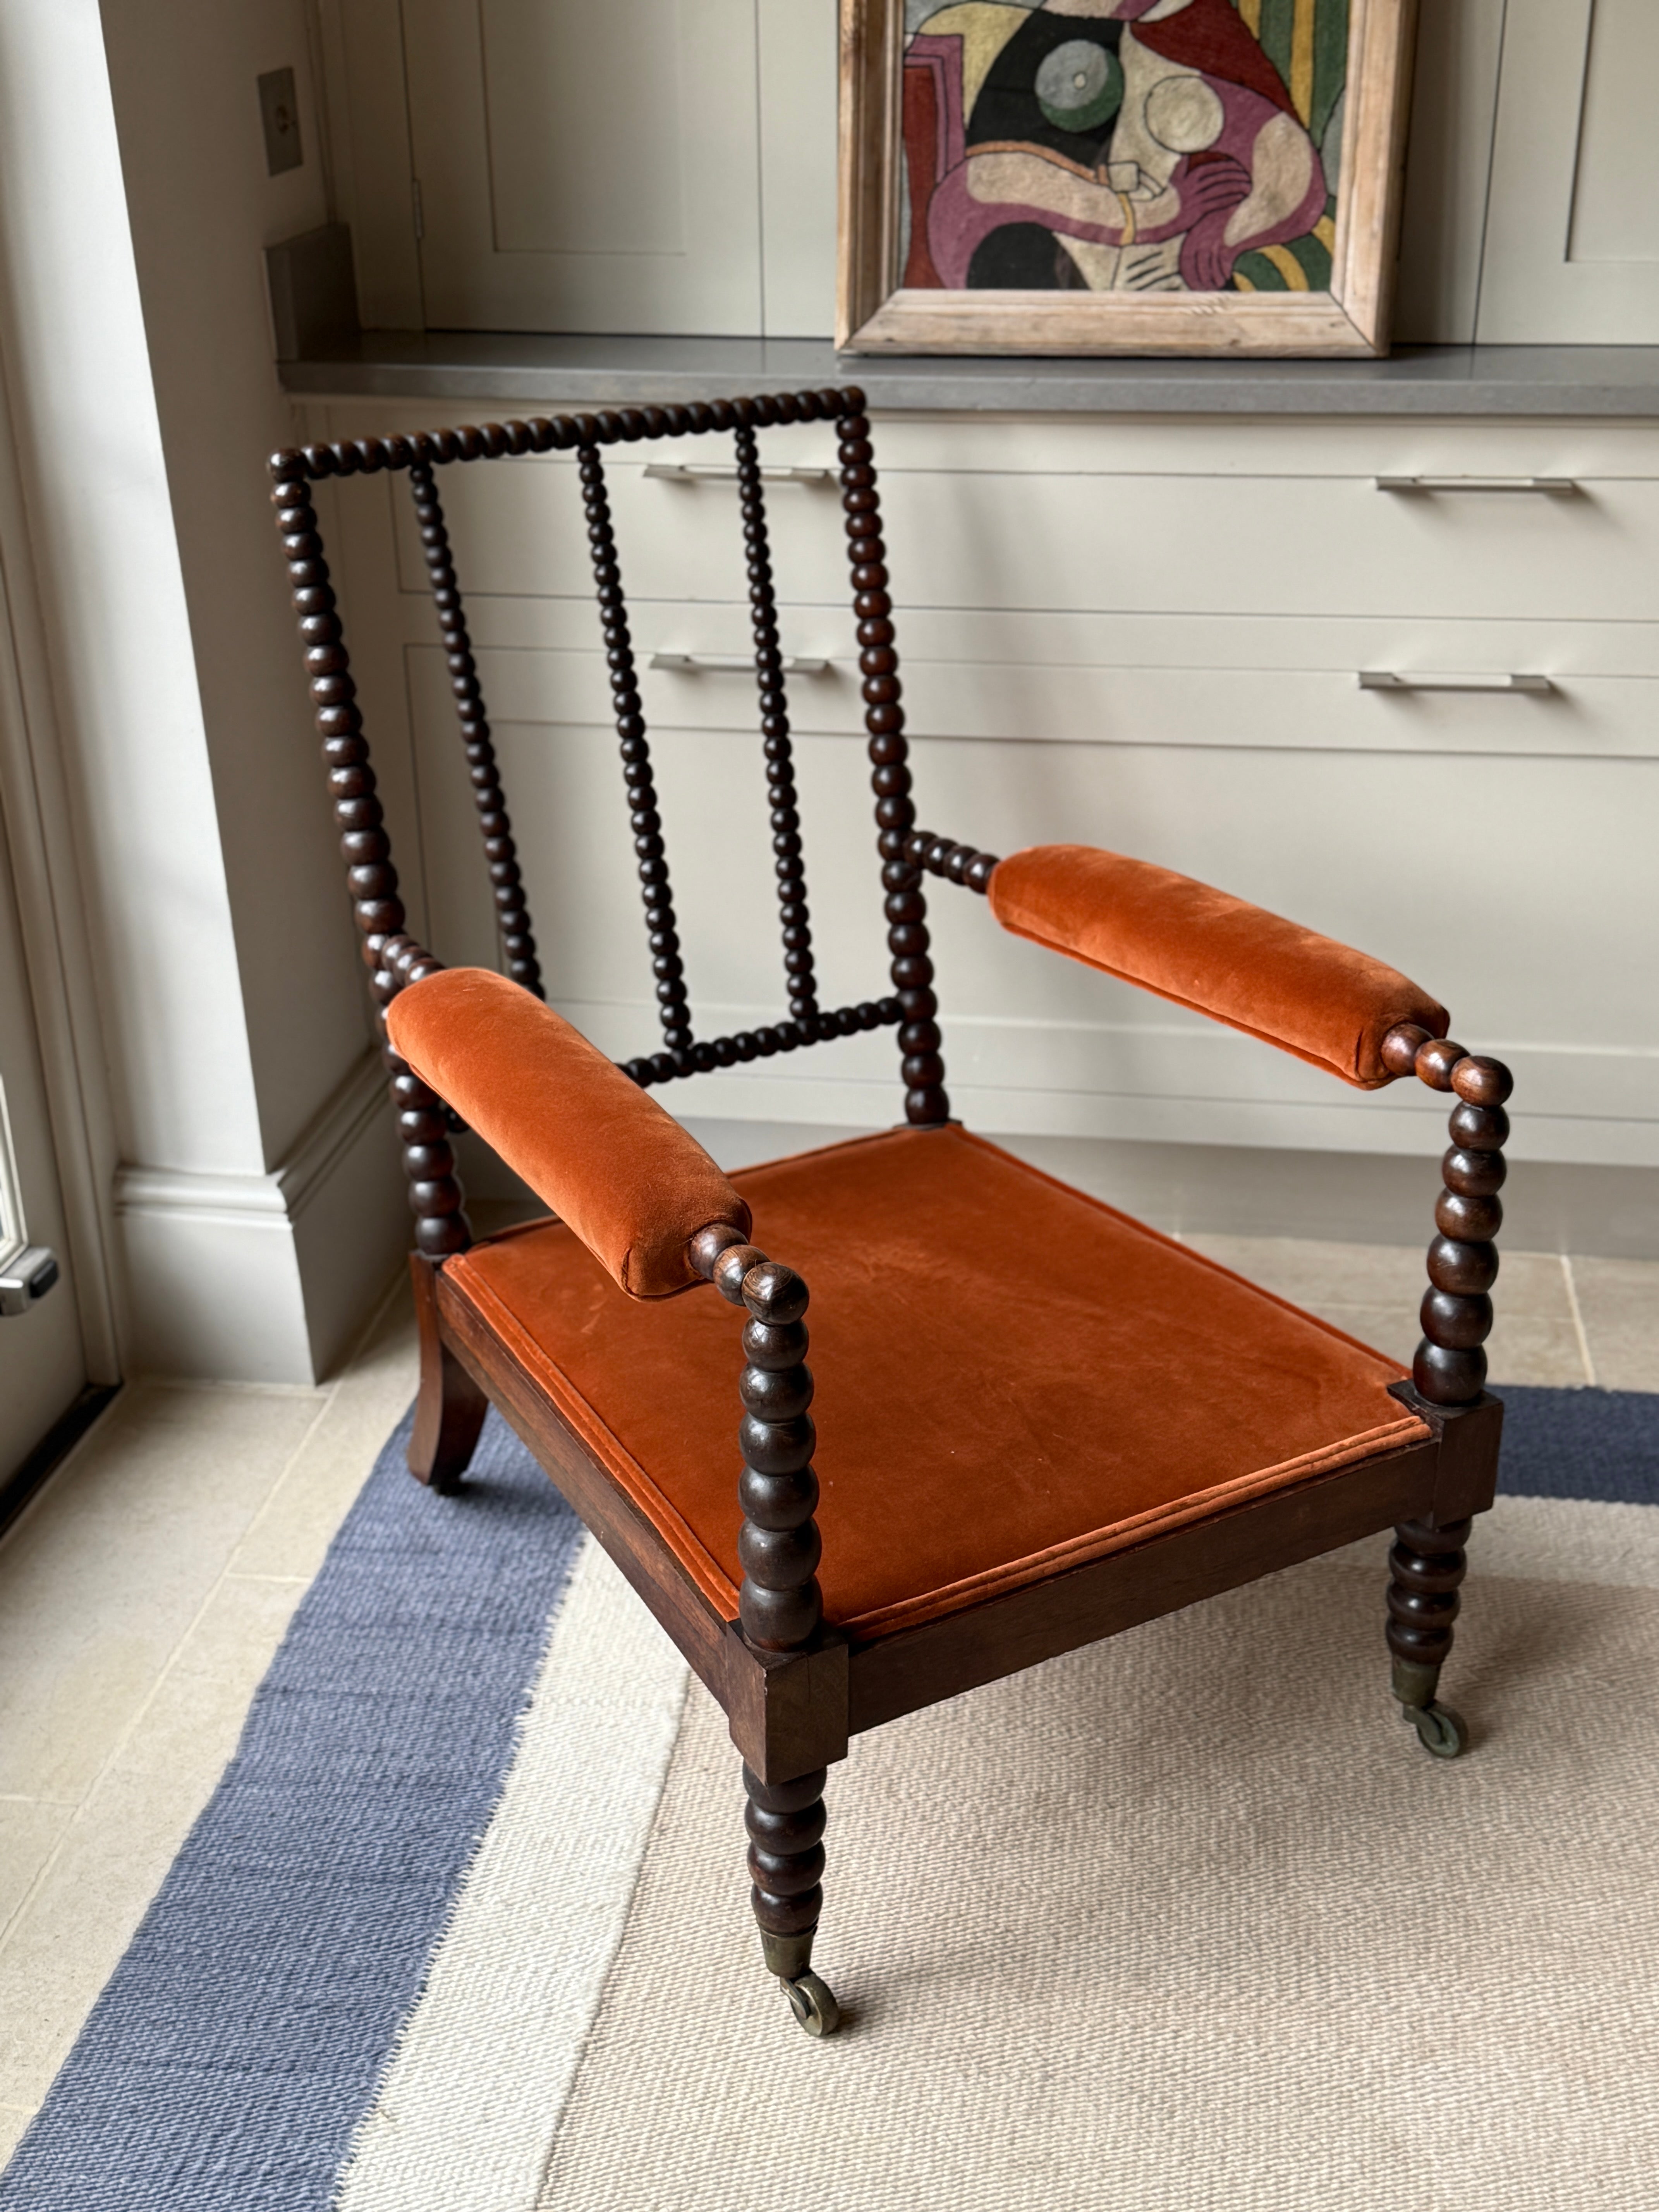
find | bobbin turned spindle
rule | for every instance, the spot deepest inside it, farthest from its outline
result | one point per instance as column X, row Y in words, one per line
column 517, row 944
column 957, row 864
column 787, row 863
column 392, row 957
column 650, row 854
column 926, row 1100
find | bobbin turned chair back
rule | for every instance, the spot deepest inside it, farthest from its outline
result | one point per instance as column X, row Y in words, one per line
column 394, row 957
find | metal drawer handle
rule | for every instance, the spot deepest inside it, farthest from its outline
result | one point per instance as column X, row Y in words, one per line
column 1550, row 487
column 726, row 472
column 696, row 663
column 1395, row 680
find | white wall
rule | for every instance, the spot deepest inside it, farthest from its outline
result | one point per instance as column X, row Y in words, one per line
column 134, row 207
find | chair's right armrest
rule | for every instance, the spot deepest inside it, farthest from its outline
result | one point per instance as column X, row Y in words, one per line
column 633, row 1185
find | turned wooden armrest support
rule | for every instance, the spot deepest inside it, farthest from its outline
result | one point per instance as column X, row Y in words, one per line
column 611, row 1164
column 1450, row 1366
column 780, row 1604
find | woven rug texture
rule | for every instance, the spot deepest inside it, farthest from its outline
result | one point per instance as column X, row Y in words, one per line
column 1186, row 1922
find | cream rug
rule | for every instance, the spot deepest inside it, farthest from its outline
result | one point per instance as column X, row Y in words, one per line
column 1185, row 1921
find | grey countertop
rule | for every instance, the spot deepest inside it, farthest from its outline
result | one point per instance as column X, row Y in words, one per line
column 531, row 370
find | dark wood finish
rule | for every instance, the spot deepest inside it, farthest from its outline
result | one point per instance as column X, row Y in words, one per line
column 786, row 1709
column 787, row 863
column 911, row 1006
column 517, row 944
column 666, row 965
column 785, row 1821
column 1456, row 1313
column 920, row 1666
column 926, row 1099
column 957, row 864
column 780, row 1605
column 392, row 957
column 1468, row 1439
column 763, row 1043
column 1400, row 1046
column 450, row 1406
column 1428, row 1563
column 793, row 1692
column 1427, row 1568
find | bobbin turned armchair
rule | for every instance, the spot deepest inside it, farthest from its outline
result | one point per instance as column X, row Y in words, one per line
column 1042, row 1421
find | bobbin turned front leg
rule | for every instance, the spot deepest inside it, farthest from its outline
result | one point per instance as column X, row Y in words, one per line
column 1427, row 1568
column 785, row 1821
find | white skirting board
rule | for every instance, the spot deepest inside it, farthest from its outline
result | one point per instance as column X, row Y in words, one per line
column 266, row 1278
column 1208, row 1189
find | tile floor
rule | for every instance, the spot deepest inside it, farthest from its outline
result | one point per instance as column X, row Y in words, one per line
column 144, row 1592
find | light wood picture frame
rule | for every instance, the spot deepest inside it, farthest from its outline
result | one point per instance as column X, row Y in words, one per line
column 1015, row 125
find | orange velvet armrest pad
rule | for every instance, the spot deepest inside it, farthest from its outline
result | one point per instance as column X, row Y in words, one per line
column 611, row 1164
column 1216, row 954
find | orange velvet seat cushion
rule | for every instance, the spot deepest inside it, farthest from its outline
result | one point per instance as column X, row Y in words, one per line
column 1219, row 955
column 1011, row 1377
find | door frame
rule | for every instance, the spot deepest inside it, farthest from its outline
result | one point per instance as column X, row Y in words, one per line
column 39, row 840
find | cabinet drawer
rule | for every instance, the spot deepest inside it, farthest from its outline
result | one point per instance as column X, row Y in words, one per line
column 1239, row 683
column 1308, row 545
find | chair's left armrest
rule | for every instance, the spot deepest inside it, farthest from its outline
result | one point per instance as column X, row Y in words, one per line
column 1182, row 940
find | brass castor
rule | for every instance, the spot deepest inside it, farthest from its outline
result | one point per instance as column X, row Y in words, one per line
column 1442, row 1733
column 813, row 2003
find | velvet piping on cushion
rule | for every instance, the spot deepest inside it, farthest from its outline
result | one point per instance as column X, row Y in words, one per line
column 622, row 1173
column 990, row 1409
column 1202, row 948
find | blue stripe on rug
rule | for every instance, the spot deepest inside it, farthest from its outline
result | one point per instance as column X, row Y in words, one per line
column 1602, row 1445
column 228, row 2062
column 240, row 2042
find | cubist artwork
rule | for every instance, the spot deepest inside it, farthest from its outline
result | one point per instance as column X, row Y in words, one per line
column 1126, row 146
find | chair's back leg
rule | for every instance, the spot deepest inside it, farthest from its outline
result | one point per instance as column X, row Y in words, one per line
column 449, row 1406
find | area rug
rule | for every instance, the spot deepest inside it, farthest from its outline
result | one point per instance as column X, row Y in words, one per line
column 1187, row 1920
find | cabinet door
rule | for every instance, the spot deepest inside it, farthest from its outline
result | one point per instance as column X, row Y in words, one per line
column 587, row 165
column 1572, row 237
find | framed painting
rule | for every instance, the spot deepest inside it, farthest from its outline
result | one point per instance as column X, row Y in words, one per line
column 1120, row 176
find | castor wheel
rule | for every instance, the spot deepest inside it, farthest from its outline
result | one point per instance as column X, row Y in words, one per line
column 1442, row 1733
column 813, row 2003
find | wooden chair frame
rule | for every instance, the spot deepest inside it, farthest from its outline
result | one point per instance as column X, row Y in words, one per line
column 793, row 1691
